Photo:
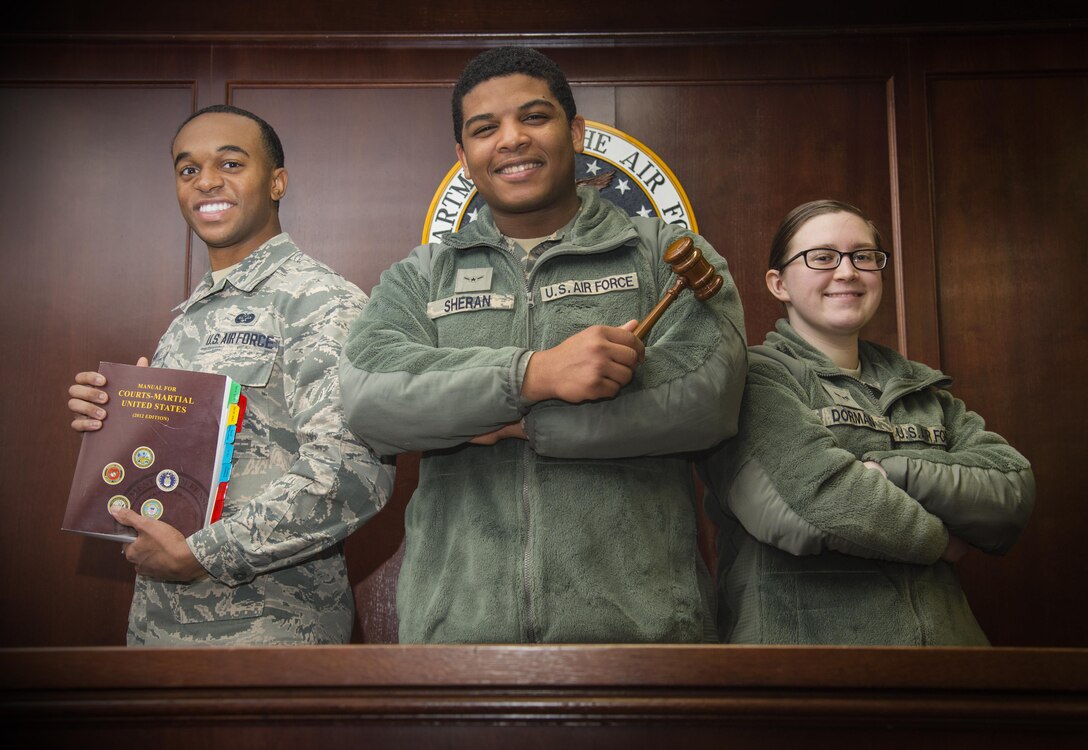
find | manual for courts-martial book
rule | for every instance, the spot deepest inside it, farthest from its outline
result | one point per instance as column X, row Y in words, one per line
column 164, row 450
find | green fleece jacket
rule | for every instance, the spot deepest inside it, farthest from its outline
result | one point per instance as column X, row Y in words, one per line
column 816, row 548
column 587, row 531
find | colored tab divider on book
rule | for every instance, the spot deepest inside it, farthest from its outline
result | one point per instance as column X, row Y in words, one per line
column 235, row 414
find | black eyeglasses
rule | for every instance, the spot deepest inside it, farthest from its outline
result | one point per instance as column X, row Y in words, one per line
column 826, row 258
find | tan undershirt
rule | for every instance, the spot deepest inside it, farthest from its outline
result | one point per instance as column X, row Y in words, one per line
column 222, row 273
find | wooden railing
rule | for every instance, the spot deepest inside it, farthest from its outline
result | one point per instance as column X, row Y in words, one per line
column 545, row 696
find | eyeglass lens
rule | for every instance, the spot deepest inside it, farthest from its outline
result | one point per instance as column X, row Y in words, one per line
column 824, row 258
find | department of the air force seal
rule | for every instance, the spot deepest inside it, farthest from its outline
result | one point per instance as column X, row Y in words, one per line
column 625, row 171
column 185, row 504
column 166, row 480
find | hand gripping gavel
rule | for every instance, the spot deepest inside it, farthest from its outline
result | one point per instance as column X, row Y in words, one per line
column 691, row 269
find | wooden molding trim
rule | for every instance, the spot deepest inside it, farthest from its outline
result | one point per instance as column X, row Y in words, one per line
column 977, row 692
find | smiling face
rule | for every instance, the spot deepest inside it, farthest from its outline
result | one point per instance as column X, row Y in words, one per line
column 227, row 186
column 518, row 148
column 828, row 307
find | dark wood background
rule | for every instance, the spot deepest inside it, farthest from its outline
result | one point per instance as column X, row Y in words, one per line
column 963, row 136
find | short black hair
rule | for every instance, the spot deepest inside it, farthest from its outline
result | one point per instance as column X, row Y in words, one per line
column 272, row 146
column 508, row 61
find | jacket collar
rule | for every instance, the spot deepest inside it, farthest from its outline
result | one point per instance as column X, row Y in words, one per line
column 879, row 364
column 250, row 273
column 598, row 222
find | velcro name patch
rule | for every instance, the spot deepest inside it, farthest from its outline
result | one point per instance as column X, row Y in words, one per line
column 619, row 283
column 833, row 416
column 460, row 303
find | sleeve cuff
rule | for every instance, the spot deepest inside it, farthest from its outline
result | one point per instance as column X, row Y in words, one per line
column 519, row 379
column 214, row 549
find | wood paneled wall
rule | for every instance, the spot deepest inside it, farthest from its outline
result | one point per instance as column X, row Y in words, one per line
column 967, row 148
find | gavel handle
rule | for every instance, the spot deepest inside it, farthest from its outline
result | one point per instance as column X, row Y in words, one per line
column 642, row 330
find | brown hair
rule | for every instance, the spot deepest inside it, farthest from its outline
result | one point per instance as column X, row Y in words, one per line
column 797, row 218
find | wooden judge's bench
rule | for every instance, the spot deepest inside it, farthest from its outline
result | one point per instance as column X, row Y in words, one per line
column 546, row 696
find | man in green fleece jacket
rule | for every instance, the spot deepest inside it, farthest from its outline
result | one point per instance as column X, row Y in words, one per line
column 555, row 499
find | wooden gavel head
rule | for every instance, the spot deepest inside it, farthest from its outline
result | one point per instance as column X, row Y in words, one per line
column 691, row 269
column 690, row 265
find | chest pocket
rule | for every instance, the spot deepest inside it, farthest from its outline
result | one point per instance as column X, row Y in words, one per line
column 253, row 440
column 576, row 292
column 245, row 348
column 250, row 369
column 239, row 341
column 203, row 603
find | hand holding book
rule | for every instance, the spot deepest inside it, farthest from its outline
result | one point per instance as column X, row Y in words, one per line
column 88, row 400
column 159, row 551
column 165, row 450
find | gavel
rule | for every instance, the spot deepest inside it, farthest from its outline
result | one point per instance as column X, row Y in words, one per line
column 691, row 269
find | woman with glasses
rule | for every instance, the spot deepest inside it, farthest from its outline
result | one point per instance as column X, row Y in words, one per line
column 855, row 480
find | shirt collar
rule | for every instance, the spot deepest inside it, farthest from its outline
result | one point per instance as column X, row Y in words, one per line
column 249, row 273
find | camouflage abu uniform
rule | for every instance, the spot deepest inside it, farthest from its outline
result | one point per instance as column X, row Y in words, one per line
column 301, row 481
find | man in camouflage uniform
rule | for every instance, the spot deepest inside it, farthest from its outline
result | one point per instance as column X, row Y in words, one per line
column 271, row 571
